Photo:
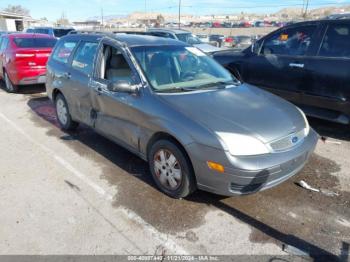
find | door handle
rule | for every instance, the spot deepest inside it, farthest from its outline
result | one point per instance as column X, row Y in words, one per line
column 67, row 75
column 296, row 65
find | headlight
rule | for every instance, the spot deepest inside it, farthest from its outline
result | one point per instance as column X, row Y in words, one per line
column 307, row 126
column 242, row 145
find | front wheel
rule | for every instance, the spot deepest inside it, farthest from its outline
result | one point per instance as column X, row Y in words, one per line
column 171, row 169
column 11, row 88
column 63, row 116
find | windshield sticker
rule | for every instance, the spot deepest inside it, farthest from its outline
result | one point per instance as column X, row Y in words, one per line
column 195, row 51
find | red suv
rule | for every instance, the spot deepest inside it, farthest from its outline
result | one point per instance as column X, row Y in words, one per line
column 23, row 59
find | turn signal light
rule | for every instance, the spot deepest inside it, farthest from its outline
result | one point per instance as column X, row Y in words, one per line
column 216, row 166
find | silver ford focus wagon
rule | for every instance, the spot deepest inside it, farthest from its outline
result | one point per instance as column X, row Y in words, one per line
column 175, row 107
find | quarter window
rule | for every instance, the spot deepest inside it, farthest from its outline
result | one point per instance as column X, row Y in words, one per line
column 84, row 57
column 63, row 51
column 293, row 41
column 336, row 42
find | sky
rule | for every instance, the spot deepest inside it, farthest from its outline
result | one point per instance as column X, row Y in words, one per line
column 76, row 10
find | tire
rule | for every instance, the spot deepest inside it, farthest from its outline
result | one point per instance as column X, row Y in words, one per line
column 63, row 116
column 171, row 166
column 11, row 88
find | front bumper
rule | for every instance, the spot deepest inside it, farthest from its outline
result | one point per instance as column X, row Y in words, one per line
column 246, row 175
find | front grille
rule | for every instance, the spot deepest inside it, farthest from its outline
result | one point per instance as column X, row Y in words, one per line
column 288, row 141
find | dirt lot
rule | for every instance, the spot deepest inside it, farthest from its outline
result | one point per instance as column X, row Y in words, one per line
column 78, row 193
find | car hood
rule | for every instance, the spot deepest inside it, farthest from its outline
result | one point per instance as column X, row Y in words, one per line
column 207, row 48
column 242, row 110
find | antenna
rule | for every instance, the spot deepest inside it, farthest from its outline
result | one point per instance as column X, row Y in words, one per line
column 179, row 14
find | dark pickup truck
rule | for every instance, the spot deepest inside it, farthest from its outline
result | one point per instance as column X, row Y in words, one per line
column 306, row 63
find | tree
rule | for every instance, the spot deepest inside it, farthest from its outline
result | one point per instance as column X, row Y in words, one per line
column 17, row 9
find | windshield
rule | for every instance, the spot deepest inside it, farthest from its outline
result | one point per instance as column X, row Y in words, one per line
column 189, row 39
column 34, row 42
column 61, row 32
column 180, row 68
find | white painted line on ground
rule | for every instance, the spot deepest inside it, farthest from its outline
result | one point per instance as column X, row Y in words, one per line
column 167, row 243
column 60, row 160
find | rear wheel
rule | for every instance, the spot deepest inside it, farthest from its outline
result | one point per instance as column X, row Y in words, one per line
column 171, row 169
column 11, row 88
column 63, row 116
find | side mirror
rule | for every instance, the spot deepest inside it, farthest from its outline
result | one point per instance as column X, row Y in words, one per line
column 122, row 86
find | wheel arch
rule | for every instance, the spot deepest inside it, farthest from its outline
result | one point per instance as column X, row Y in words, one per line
column 166, row 136
column 55, row 92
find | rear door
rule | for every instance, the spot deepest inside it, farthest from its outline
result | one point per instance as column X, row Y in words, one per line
column 329, row 71
column 59, row 71
column 280, row 62
column 82, row 65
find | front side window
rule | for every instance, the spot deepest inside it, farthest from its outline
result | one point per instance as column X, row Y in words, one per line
column 63, row 51
column 114, row 66
column 293, row 41
column 170, row 68
column 336, row 42
column 84, row 57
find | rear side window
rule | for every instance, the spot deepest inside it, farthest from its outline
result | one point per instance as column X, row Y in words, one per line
column 63, row 51
column 84, row 57
column 336, row 42
column 61, row 32
column 293, row 41
column 35, row 42
column 41, row 31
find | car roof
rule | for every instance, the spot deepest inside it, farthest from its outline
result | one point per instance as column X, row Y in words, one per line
column 50, row 27
column 129, row 40
column 175, row 31
column 29, row 35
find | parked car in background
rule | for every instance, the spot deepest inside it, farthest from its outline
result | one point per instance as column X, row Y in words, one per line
column 307, row 63
column 186, row 37
column 178, row 109
column 23, row 59
column 53, row 31
column 239, row 41
column 217, row 40
column 203, row 38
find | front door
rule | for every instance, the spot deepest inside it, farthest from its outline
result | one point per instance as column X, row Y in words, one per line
column 115, row 112
column 279, row 65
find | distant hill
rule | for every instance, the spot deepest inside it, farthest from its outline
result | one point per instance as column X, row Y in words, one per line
column 313, row 13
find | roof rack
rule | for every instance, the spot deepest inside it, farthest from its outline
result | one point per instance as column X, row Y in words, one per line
column 74, row 32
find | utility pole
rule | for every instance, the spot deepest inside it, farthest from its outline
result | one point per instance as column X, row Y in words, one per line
column 179, row 14
column 101, row 17
column 306, row 8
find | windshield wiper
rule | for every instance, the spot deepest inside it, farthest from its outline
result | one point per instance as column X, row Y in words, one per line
column 175, row 89
column 216, row 85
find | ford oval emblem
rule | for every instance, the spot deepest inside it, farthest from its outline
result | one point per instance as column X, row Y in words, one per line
column 295, row 139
